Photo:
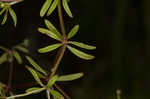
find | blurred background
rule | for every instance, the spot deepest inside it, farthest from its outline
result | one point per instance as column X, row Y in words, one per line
column 119, row 28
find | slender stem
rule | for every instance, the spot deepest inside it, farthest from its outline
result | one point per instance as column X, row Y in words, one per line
column 26, row 94
column 48, row 94
column 61, row 19
column 58, row 87
column 61, row 52
column 10, row 72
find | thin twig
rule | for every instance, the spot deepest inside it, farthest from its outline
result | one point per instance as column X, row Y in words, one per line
column 26, row 94
column 62, row 91
column 48, row 93
column 61, row 52
column 10, row 72
column 61, row 19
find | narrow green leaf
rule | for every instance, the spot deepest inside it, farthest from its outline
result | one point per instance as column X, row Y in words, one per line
column 82, row 45
column 45, row 7
column 25, row 43
column 35, row 65
column 80, row 53
column 40, row 75
column 13, row 2
column 49, row 48
column 17, row 56
column 49, row 33
column 52, row 7
column 32, row 89
column 13, row 15
column 70, row 77
column 5, row 18
column 52, row 28
column 21, row 48
column 2, row 91
column 2, row 11
column 3, row 58
column 73, row 31
column 3, row 48
column 35, row 75
column 52, row 81
column 66, row 8
column 56, row 94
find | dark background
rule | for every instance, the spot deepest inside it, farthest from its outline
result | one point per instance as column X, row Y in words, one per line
column 119, row 28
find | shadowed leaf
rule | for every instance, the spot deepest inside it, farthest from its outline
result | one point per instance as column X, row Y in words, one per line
column 35, row 65
column 56, row 94
column 3, row 58
column 21, row 48
column 17, row 56
column 5, row 18
column 2, row 11
column 35, row 75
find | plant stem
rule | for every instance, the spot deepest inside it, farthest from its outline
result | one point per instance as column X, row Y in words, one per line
column 26, row 94
column 58, row 87
column 61, row 52
column 61, row 20
column 10, row 72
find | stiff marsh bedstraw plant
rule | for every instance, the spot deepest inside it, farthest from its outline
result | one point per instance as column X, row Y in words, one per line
column 46, row 79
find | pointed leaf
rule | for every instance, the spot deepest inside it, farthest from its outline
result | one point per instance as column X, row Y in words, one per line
column 13, row 15
column 73, row 31
column 45, row 7
column 52, row 81
column 56, row 94
column 32, row 89
column 49, row 33
column 70, row 77
column 52, row 7
column 49, row 48
column 2, row 11
column 35, row 65
column 40, row 75
column 3, row 58
column 3, row 48
column 80, row 53
column 17, row 56
column 52, row 28
column 35, row 75
column 82, row 45
column 66, row 8
column 21, row 48
column 5, row 18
